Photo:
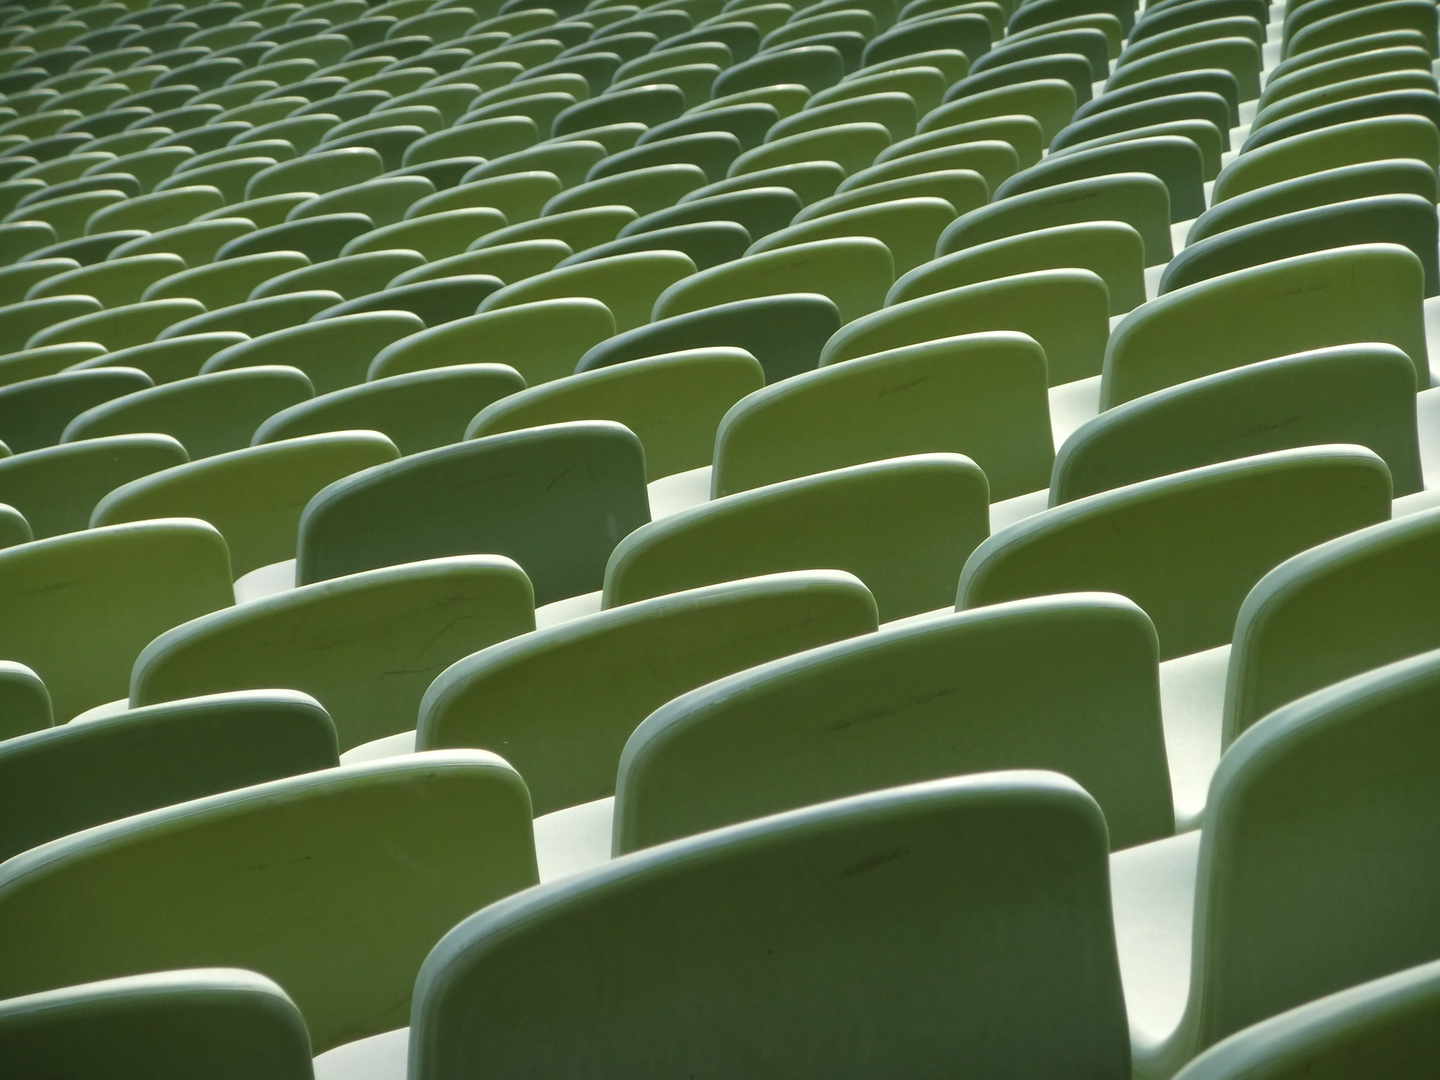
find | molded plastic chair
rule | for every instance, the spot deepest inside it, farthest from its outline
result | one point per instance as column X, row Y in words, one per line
column 707, row 243
column 627, row 285
column 1051, row 102
column 164, row 361
column 254, row 496
column 82, row 606
column 256, row 317
column 119, row 327
column 365, row 646
column 908, row 227
column 1186, row 547
column 1175, row 159
column 333, row 353
column 990, row 861
column 852, row 146
column 760, row 210
column 34, row 412
column 556, row 499
column 1065, row 683
column 229, row 1023
column 508, row 262
column 257, row 877
column 113, row 283
column 219, row 284
column 68, row 778
column 580, row 229
column 563, row 700
column 24, row 701
column 348, row 275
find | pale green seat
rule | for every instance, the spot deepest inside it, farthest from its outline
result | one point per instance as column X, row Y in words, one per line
column 759, row 210
column 332, row 352
column 710, row 151
column 982, row 395
column 164, row 361
column 348, row 275
column 120, row 327
column 231, row 1024
column 317, row 238
column 520, row 196
column 14, row 529
column 68, row 214
column 21, row 321
column 1326, row 808
column 628, row 285
column 563, row 700
column 230, row 282
column 968, row 32
column 19, row 279
column 579, row 229
column 57, row 487
column 34, row 412
column 19, row 238
column 207, row 413
column 383, row 199
column 416, row 411
column 1066, row 311
column 1176, row 160
column 806, row 180
column 995, row 159
column 1021, row 132
column 434, row 236
column 46, row 360
column 1372, row 19
column 814, row 67
column 258, row 876
column 1066, row 683
column 1367, row 293
column 24, row 701
column 852, row 270
column 82, row 606
column 1204, row 105
column 785, row 333
column 113, row 283
column 256, row 317
column 673, row 403
column 1071, row 67
column 923, row 944
column 894, row 110
column 68, row 778
column 556, row 499
column 542, row 340
column 1417, row 102
column 706, row 243
column 570, row 161
column 644, row 190
column 157, row 210
column 1289, row 81
column 1288, row 107
column 1240, row 56
column 924, row 83
column 365, row 645
column 508, row 262
column 229, row 177
column 849, row 519
column 439, row 300
column 540, row 109
column 1359, row 394
column 1051, row 102
column 196, row 243
column 852, row 146
column 1186, row 547
column 909, row 228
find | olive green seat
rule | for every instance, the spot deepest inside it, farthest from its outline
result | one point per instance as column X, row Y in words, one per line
column 673, row 403
column 541, row 340
column 434, row 236
column 1366, row 293
column 556, row 499
column 68, row 778
column 157, row 210
column 1355, row 99
column 219, row 284
column 628, row 285
column 46, row 360
column 383, row 199
column 1186, row 547
column 21, row 321
column 571, row 161
column 622, row 664
column 317, row 238
column 894, row 110
column 924, row 944
column 120, row 327
column 164, row 361
column 1324, row 809
column 705, row 243
column 852, row 146
column 710, row 151
column 925, row 83
column 759, row 210
column 1359, row 394
column 1136, row 199
column 317, row 172
column 256, row 317
column 365, row 646
column 83, row 605
column 968, row 32
column 909, row 228
column 332, row 352
column 848, row 519
column 1204, row 105
column 68, row 214
column 230, row 1023
column 1066, row 311
column 785, row 333
column 196, row 243
column 1064, row 683
column 1392, row 177
column 1050, row 102
column 1240, row 56
column 853, row 270
column 251, row 875
column 19, row 279
column 815, row 67
column 19, row 238
column 57, row 487
column 982, row 395
column 1401, row 15
column 207, row 413
column 1289, row 81
column 520, row 196
column 348, row 275
column 1176, row 160
column 806, row 180
column 433, row 302
column 579, row 229
column 507, row 262
column 113, row 283
column 229, row 177
column 644, row 190
column 416, row 411
column 24, row 701
column 34, row 412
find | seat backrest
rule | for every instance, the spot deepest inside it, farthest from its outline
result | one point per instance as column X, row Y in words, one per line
column 626, row 284
column 33, row 413
column 1338, row 609
column 288, row 878
column 1175, row 159
column 1187, row 547
column 225, row 1023
column 556, row 499
column 80, row 607
column 67, row 778
column 932, row 507
column 333, row 352
column 1065, row 683
column 24, row 701
column 967, row 921
column 983, row 395
column 1365, row 293
column 366, row 646
column 562, row 701
column 1326, row 809
column 1362, row 394
column 253, row 496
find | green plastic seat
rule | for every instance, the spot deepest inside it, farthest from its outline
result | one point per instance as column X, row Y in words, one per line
column 263, row 212
column 705, row 243
column 254, row 496
column 507, row 262
column 570, row 161
column 17, row 280
column 963, row 187
column 519, row 196
column 433, row 302
column 968, row 32
column 710, row 151
column 14, row 529
column 47, row 360
column 925, row 84
column 1189, row 546
column 853, row 146
column 22, row 321
column 981, row 395
column 673, row 403
column 317, row 238
column 1419, row 102
column 815, row 67
column 220, row 284
column 541, row 340
column 785, row 333
column 579, row 229
column 229, row 854
column 57, row 487
column 759, row 210
column 384, row 200
column 1176, row 160
column 196, row 243
column 1359, row 394
column 628, row 285
column 976, row 868
column 332, row 352
column 113, row 283
column 229, row 177
column 65, row 779
column 34, row 412
column 255, row 317
column 557, row 499
column 435, row 236
column 1070, row 67
column 120, row 327
column 909, row 228
column 157, row 210
column 366, row 646
column 644, row 190
column 26, row 702
column 492, row 137
column 68, row 214
column 971, row 692
column 1203, row 105
column 1347, row 90
column 894, row 110
column 1238, row 55
column 229, row 1022
column 1050, row 102
column 207, row 415
column 1366, row 293
column 1372, row 19
column 163, row 361
column 1284, row 83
